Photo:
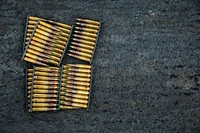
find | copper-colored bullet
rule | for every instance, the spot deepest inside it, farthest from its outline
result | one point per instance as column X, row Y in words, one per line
column 85, row 37
column 75, row 100
column 74, row 104
column 82, row 45
column 29, row 59
column 82, row 49
column 77, row 74
column 78, row 66
column 76, row 87
column 43, row 109
column 86, row 55
column 88, row 21
column 84, row 41
column 69, row 81
column 64, row 90
column 86, row 33
column 87, row 25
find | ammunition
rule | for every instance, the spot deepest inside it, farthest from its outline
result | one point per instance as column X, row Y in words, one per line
column 27, row 39
column 46, row 47
column 86, row 33
column 88, row 21
column 30, row 70
column 87, row 25
column 44, row 104
column 75, row 95
column 48, row 87
column 43, row 109
column 30, row 31
column 77, row 78
column 48, row 39
column 46, row 69
column 43, row 100
column 77, row 74
column 39, row 91
column 47, row 43
column 52, row 31
column 80, row 53
column 28, row 35
column 41, row 59
column 47, row 74
column 44, row 95
column 82, row 49
column 75, row 69
column 49, row 35
column 83, row 45
column 86, row 29
column 68, row 107
column 47, row 56
column 45, row 82
column 85, row 37
column 78, row 57
column 77, row 87
column 64, row 90
column 31, row 26
column 45, row 78
column 74, row 104
column 34, row 61
column 84, row 41
column 74, row 100
column 78, row 65
column 63, row 29
column 68, row 81
column 32, row 22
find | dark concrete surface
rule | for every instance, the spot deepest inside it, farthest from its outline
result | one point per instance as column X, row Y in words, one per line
column 147, row 67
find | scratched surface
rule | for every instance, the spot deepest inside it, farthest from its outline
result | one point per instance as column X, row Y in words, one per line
column 146, row 67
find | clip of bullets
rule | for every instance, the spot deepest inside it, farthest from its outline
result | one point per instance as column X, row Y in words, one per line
column 75, row 87
column 43, row 89
column 83, row 39
column 46, row 42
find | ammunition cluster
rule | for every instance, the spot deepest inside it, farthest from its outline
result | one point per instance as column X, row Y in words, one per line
column 45, row 41
column 83, row 39
column 52, row 86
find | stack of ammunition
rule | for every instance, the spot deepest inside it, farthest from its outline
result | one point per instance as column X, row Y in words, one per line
column 43, row 88
column 76, row 81
column 47, row 42
column 84, row 39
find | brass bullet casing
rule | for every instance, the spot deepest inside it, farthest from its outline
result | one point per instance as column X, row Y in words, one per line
column 54, row 74
column 75, row 100
column 78, row 66
column 73, row 104
column 48, row 69
column 75, row 69
column 88, row 21
column 31, row 26
column 45, row 95
column 43, row 100
column 68, row 81
column 67, row 94
column 29, row 30
column 28, row 35
column 85, row 37
column 83, row 45
column 77, row 78
column 82, row 49
column 77, row 74
column 45, row 82
column 63, row 29
column 81, row 53
column 30, row 22
column 48, row 87
column 45, row 78
column 28, row 59
column 78, row 57
column 84, row 41
column 86, row 29
column 44, row 104
column 76, row 87
column 68, row 107
column 40, row 91
column 43, row 109
column 81, row 92
column 87, row 25
column 94, row 35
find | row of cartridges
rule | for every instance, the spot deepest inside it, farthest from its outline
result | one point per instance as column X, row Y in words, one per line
column 53, row 88
column 46, row 42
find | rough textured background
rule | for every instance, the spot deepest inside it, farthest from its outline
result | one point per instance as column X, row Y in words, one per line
column 147, row 67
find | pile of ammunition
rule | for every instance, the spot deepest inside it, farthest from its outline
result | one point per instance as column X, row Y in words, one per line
column 47, row 42
column 43, row 88
column 52, row 88
column 84, row 39
column 50, row 85
column 75, row 86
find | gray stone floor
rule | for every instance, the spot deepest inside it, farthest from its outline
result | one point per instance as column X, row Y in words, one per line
column 146, row 67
